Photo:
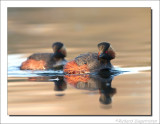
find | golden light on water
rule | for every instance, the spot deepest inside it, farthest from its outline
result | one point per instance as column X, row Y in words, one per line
column 128, row 30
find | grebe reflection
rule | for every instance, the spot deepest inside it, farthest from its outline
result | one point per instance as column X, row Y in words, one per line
column 83, row 82
column 92, row 82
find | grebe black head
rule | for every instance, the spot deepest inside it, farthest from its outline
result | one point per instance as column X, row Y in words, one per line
column 59, row 50
column 105, row 51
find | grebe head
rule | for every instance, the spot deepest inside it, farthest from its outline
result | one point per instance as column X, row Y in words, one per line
column 105, row 51
column 59, row 50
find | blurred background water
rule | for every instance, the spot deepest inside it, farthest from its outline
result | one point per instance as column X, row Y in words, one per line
column 32, row 30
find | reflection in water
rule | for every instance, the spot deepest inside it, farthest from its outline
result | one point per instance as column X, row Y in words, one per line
column 83, row 82
column 59, row 83
column 92, row 82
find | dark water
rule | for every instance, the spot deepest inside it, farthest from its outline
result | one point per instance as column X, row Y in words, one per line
column 125, row 91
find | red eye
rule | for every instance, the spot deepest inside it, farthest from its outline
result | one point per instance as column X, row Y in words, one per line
column 106, row 52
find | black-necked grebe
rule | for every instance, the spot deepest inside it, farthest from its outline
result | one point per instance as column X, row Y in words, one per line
column 41, row 61
column 92, row 62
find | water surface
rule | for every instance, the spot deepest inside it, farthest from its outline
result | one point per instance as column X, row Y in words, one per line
column 50, row 92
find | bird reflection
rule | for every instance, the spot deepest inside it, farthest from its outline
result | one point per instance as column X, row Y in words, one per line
column 102, row 83
column 59, row 83
column 94, row 82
